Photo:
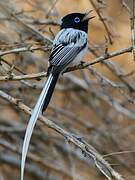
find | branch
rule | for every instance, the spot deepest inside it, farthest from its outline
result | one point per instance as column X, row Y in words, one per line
column 38, row 34
column 80, row 66
column 89, row 151
column 101, row 58
column 30, row 48
column 22, row 77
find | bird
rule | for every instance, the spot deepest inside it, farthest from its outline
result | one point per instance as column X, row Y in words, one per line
column 69, row 48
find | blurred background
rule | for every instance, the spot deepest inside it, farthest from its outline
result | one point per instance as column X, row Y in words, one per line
column 96, row 103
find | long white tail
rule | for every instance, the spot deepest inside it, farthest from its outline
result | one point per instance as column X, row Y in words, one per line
column 41, row 105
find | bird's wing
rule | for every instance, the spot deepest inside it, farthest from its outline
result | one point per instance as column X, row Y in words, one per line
column 66, row 49
column 62, row 56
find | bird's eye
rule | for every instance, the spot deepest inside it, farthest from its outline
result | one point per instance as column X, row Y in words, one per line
column 77, row 19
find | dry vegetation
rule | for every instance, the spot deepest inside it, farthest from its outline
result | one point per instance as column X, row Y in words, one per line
column 88, row 130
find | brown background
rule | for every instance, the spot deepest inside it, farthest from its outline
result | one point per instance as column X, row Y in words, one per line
column 91, row 113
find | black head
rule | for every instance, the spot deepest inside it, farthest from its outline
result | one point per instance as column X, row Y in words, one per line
column 76, row 20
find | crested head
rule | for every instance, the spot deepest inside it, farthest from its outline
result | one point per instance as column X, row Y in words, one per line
column 76, row 20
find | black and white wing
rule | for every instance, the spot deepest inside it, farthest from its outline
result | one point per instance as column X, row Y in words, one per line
column 68, row 44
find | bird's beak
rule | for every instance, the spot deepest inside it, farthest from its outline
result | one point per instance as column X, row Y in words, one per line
column 87, row 17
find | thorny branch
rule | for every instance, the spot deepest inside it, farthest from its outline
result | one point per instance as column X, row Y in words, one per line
column 100, row 163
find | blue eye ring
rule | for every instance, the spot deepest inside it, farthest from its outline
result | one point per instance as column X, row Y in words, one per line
column 77, row 20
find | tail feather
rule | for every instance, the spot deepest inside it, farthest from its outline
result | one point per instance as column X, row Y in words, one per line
column 41, row 105
column 50, row 92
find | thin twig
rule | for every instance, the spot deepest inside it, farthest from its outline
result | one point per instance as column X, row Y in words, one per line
column 29, row 48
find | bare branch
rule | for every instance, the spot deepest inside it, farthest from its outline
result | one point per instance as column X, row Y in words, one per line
column 101, row 58
column 22, row 77
column 100, row 163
